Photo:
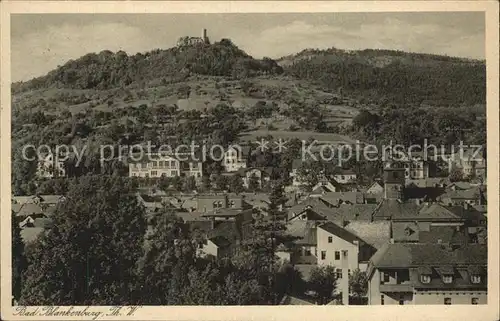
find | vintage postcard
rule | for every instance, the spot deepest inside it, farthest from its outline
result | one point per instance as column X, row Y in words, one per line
column 249, row 160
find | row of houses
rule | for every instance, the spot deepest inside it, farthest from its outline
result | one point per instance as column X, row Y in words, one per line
column 236, row 158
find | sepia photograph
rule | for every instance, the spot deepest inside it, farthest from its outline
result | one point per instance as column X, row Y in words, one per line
column 240, row 158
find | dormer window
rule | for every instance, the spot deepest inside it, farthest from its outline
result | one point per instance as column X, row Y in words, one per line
column 475, row 279
column 425, row 278
column 447, row 279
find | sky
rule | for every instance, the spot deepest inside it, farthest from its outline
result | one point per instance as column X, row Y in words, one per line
column 41, row 42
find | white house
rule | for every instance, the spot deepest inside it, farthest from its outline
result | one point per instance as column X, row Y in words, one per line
column 345, row 176
column 235, row 158
column 158, row 165
column 50, row 166
column 339, row 248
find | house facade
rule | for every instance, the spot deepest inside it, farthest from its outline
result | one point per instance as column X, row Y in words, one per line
column 345, row 177
column 339, row 248
column 235, row 158
column 428, row 274
column 158, row 165
column 50, row 166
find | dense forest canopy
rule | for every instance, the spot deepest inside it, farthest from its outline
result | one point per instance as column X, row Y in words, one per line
column 110, row 70
column 403, row 78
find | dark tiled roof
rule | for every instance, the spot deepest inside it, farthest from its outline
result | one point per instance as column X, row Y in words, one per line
column 290, row 300
column 339, row 232
column 304, row 230
column 405, row 232
column 406, row 255
column 333, row 198
column 471, row 193
column 376, row 234
column 396, row 210
column 444, row 234
column 26, row 209
column 354, row 212
column 220, row 241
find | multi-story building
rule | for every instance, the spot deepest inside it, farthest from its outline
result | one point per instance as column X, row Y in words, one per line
column 345, row 176
column 426, row 273
column 235, row 158
column 158, row 165
column 211, row 202
column 340, row 249
column 50, row 166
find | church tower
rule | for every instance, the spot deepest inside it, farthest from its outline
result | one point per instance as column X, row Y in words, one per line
column 394, row 181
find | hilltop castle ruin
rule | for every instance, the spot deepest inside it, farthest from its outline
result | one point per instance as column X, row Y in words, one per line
column 190, row 41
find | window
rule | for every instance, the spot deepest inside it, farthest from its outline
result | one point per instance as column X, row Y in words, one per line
column 323, row 255
column 382, row 300
column 232, row 204
column 337, row 255
column 474, row 301
column 425, row 278
column 154, row 173
column 344, row 254
column 447, row 279
column 385, row 277
column 475, row 279
column 307, row 252
column 338, row 273
column 330, row 239
column 447, row 301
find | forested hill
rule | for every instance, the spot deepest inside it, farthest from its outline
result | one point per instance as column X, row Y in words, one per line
column 108, row 70
column 380, row 77
column 385, row 76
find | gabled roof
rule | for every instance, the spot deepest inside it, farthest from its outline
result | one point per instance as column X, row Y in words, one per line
column 348, row 212
column 225, row 212
column 26, row 209
column 334, row 198
column 291, row 300
column 375, row 234
column 304, row 230
column 338, row 231
column 313, row 203
column 405, row 255
column 395, row 209
column 51, row 199
column 220, row 241
column 471, row 193
column 405, row 231
column 437, row 211
column 444, row 234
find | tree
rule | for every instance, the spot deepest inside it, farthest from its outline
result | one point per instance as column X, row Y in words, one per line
column 259, row 249
column 177, row 183
column 323, row 282
column 456, row 175
column 89, row 255
column 236, row 184
column 221, row 182
column 358, row 284
column 253, row 183
column 189, row 184
column 167, row 249
column 310, row 173
column 19, row 263
column 164, row 182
